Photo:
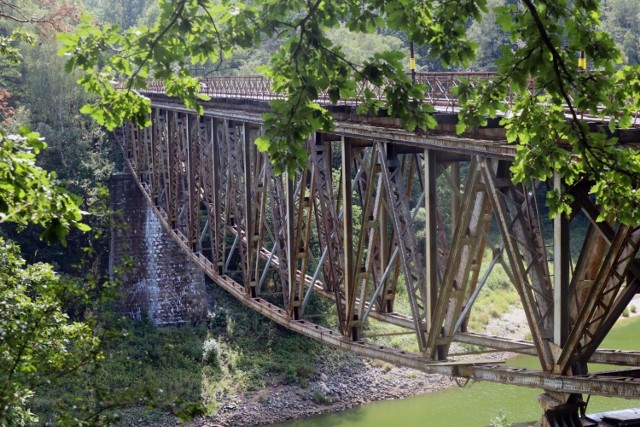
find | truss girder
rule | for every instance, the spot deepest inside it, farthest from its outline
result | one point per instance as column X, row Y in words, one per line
column 518, row 245
column 328, row 225
column 355, row 242
column 598, row 301
column 463, row 263
column 410, row 257
column 208, row 149
column 279, row 216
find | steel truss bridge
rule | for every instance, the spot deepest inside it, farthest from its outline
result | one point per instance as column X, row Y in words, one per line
column 345, row 229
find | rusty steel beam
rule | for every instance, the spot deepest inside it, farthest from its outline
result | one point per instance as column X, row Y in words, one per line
column 212, row 164
column 619, row 385
column 249, row 224
column 193, row 172
column 347, row 240
column 517, row 263
column 561, row 273
column 158, row 125
column 410, row 258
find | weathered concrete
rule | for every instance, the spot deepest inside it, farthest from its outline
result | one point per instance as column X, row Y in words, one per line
column 158, row 279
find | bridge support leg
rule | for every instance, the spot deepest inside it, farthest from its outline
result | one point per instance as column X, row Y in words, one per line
column 356, row 329
column 161, row 283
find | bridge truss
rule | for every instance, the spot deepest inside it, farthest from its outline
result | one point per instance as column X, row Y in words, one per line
column 368, row 227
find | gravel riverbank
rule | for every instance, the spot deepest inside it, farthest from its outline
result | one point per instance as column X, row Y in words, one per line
column 331, row 390
column 336, row 389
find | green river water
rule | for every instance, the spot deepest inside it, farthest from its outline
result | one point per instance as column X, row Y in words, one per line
column 475, row 405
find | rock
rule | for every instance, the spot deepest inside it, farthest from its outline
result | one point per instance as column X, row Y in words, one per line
column 322, row 387
column 323, row 377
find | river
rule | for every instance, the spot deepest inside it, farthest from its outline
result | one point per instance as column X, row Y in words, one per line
column 477, row 404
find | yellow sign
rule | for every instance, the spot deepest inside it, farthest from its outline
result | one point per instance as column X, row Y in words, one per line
column 582, row 61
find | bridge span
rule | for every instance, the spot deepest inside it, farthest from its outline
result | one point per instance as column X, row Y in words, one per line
column 393, row 226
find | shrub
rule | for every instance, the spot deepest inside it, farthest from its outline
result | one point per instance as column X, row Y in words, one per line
column 210, row 352
column 306, row 371
column 625, row 313
column 633, row 308
column 500, row 420
column 290, row 373
column 321, row 399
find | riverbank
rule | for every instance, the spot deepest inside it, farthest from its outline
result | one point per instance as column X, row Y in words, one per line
column 241, row 389
column 330, row 391
column 336, row 389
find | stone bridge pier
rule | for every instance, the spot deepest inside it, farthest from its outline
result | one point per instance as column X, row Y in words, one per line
column 157, row 278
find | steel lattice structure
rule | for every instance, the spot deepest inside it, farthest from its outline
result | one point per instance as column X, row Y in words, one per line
column 345, row 229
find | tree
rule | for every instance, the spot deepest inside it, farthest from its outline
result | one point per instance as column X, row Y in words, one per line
column 38, row 342
column 622, row 20
column 545, row 38
column 28, row 194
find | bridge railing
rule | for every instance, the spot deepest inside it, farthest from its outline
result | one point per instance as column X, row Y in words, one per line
column 440, row 89
column 439, row 93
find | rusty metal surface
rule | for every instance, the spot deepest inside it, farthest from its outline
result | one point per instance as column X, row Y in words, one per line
column 439, row 88
column 346, row 229
column 608, row 386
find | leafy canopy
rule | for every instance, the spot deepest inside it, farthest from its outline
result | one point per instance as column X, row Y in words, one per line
column 38, row 342
column 28, row 194
column 545, row 38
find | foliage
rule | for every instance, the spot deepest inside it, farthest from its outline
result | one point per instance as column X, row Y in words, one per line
column 28, row 193
column 47, row 331
column 500, row 420
column 146, row 372
column 549, row 38
column 38, row 342
column 544, row 41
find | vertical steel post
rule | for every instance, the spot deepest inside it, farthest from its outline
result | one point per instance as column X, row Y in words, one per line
column 455, row 194
column 561, row 259
column 431, row 233
column 249, row 226
column 347, row 228
column 290, row 233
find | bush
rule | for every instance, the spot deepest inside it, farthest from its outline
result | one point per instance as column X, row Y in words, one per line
column 306, row 371
column 210, row 352
column 322, row 399
column 625, row 313
column 500, row 420
column 633, row 308
column 290, row 373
